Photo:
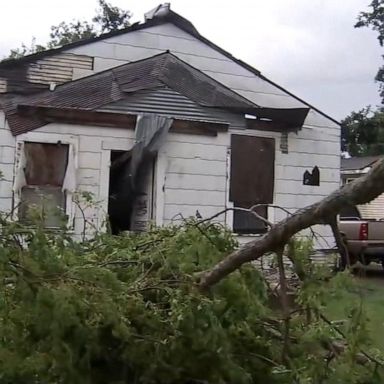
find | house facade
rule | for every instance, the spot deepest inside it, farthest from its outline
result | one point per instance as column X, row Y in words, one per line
column 159, row 124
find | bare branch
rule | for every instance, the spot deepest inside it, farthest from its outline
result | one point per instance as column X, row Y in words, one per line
column 343, row 250
column 284, row 303
column 361, row 191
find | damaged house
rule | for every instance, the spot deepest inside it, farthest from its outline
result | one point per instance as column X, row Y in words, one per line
column 158, row 124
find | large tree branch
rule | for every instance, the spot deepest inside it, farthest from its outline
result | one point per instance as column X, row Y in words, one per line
column 361, row 191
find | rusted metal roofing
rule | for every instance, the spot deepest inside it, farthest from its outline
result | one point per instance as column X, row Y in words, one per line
column 113, row 85
column 159, row 18
column 167, row 69
column 116, row 84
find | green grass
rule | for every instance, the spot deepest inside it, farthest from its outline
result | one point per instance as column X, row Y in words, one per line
column 371, row 293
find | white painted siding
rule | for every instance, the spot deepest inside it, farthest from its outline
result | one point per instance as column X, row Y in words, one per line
column 94, row 145
column 195, row 176
column 7, row 158
column 373, row 210
column 195, row 172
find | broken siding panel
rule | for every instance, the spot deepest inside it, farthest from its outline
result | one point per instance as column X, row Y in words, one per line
column 58, row 68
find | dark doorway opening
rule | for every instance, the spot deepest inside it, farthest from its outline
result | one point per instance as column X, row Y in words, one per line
column 120, row 202
column 130, row 204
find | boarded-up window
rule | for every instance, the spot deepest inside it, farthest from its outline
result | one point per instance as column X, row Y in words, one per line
column 251, row 179
column 44, row 171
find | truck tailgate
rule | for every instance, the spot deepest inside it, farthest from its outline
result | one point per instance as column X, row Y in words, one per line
column 376, row 231
column 350, row 228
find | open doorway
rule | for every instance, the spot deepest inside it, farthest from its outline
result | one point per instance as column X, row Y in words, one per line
column 130, row 205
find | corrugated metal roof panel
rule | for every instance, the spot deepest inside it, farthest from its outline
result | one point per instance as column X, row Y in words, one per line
column 163, row 101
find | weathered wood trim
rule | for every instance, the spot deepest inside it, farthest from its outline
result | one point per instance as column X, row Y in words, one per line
column 118, row 120
column 83, row 117
column 265, row 125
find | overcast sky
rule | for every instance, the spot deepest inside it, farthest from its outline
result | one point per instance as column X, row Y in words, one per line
column 309, row 47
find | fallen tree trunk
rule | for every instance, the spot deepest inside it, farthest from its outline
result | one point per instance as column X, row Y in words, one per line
column 361, row 191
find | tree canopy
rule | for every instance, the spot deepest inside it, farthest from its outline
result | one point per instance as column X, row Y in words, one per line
column 374, row 18
column 363, row 131
column 107, row 18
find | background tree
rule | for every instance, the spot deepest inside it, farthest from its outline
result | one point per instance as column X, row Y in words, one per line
column 108, row 18
column 363, row 131
column 375, row 20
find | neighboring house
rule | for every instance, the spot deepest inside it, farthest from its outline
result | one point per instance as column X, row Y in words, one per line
column 159, row 123
column 355, row 167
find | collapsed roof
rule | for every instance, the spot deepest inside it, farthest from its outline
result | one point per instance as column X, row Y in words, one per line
column 94, row 92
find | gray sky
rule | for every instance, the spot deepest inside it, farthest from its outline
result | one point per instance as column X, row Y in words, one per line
column 309, row 47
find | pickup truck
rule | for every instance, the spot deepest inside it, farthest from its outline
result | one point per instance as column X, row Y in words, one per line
column 364, row 238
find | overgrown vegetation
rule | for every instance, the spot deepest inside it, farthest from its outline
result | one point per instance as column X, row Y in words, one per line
column 127, row 309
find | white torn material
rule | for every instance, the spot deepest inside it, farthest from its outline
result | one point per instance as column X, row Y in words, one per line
column 20, row 179
column 70, row 182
